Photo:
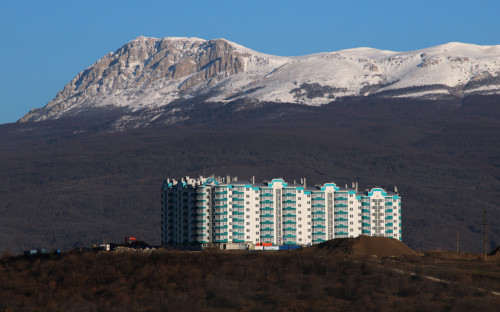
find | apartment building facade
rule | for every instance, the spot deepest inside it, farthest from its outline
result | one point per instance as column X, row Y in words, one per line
column 209, row 211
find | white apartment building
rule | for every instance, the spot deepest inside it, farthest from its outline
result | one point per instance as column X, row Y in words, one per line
column 213, row 210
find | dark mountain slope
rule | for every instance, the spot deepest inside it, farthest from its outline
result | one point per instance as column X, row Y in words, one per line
column 67, row 182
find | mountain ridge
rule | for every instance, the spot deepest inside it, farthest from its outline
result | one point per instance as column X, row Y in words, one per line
column 149, row 74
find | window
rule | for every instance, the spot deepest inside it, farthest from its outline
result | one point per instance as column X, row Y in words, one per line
column 359, row 229
column 248, row 230
column 359, row 214
column 256, row 198
column 256, row 233
column 351, row 202
column 350, row 195
column 300, row 225
column 299, row 191
column 256, row 219
column 351, row 223
column 257, row 226
column 300, row 219
column 351, row 230
column 300, row 233
column 300, row 198
column 308, row 209
column 308, row 202
column 248, row 209
column 300, row 205
column 248, row 203
column 309, row 236
column 308, row 216
column 248, row 237
column 248, row 189
column 248, row 223
column 248, row 217
column 248, row 196
column 351, row 209
column 351, row 216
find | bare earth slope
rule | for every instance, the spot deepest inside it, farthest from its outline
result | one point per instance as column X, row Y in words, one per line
column 367, row 246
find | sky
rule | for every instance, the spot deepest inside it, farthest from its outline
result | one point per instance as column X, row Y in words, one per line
column 44, row 44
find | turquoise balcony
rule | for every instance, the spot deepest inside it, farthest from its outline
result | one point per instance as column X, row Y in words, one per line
column 288, row 195
column 221, row 240
column 340, row 206
column 266, row 208
column 221, row 234
column 318, row 226
column 267, row 215
column 388, row 204
column 267, row 222
column 289, row 215
column 341, row 219
column 289, row 229
column 341, row 212
column 289, row 208
column 238, row 199
column 340, row 233
column 341, row 226
column 289, row 222
column 318, row 240
column 267, row 236
column 365, row 218
column 318, row 212
column 365, row 204
column 266, row 229
column 238, row 192
column 365, row 224
column 266, row 195
column 319, row 233
column 318, row 205
column 238, row 226
column 221, row 213
column 341, row 198
column 238, row 213
column 221, row 227
column 318, row 219
column 365, row 231
column 238, row 240
column 238, row 233
column 267, row 201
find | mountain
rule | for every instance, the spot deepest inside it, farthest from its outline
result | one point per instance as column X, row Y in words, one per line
column 150, row 79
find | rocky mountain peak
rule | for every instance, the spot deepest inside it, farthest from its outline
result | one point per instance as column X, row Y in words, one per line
column 147, row 74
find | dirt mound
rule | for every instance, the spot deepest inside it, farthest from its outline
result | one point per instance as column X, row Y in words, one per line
column 495, row 252
column 367, row 246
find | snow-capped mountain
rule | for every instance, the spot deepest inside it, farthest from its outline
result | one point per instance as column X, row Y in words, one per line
column 148, row 74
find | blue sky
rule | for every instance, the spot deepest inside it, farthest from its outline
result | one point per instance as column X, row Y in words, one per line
column 44, row 44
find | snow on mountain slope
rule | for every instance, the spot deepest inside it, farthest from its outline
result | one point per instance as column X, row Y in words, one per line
column 150, row 73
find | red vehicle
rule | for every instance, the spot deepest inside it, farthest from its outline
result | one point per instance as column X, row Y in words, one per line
column 130, row 239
